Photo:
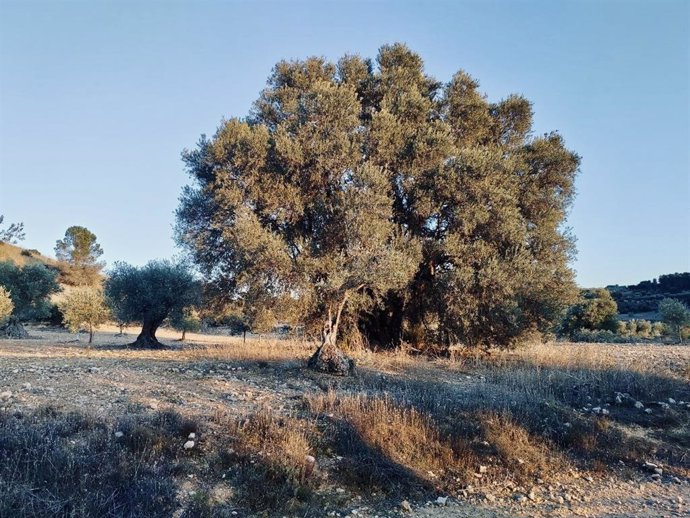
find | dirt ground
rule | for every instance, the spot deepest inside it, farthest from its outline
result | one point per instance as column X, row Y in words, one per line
column 212, row 374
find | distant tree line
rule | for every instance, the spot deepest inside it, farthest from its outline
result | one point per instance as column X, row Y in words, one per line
column 595, row 318
column 646, row 295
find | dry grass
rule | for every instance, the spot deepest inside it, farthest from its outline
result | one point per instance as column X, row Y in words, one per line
column 272, row 453
column 390, row 445
column 21, row 256
column 405, row 425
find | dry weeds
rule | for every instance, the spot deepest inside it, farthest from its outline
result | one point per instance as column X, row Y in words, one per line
column 510, row 425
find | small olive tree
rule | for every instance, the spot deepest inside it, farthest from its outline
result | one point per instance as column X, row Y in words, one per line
column 186, row 319
column 84, row 308
column 150, row 294
column 6, row 305
column 675, row 315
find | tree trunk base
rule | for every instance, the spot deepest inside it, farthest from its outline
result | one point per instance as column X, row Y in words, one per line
column 331, row 360
column 147, row 342
column 14, row 329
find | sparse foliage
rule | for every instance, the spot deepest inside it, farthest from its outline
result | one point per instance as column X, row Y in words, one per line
column 80, row 251
column 6, row 305
column 150, row 294
column 378, row 199
column 84, row 308
column 675, row 315
column 12, row 234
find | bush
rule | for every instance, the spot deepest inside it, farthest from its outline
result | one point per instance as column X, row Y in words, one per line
column 596, row 310
column 658, row 329
column 55, row 318
column 644, row 328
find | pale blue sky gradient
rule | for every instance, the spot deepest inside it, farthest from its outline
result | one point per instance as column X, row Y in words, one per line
column 98, row 99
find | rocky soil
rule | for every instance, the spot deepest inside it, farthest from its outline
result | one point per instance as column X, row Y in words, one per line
column 201, row 379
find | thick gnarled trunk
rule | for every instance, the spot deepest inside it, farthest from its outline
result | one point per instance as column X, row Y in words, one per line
column 328, row 357
column 147, row 337
column 14, row 329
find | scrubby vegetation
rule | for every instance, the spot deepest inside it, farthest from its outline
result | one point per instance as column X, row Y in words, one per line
column 645, row 296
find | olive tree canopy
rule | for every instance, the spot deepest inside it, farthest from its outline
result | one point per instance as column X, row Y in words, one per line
column 374, row 196
column 149, row 294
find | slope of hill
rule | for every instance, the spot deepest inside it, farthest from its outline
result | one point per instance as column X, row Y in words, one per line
column 645, row 296
column 22, row 256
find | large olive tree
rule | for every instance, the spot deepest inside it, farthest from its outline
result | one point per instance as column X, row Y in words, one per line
column 149, row 294
column 377, row 196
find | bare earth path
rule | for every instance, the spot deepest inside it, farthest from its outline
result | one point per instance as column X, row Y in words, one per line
column 54, row 369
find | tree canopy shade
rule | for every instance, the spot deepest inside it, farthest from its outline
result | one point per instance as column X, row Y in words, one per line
column 372, row 196
column 80, row 251
column 149, row 294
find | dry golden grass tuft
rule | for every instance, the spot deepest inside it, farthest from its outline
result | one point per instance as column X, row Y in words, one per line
column 272, row 460
column 378, row 432
column 522, row 453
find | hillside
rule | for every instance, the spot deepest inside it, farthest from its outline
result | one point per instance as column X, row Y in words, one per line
column 645, row 296
column 22, row 256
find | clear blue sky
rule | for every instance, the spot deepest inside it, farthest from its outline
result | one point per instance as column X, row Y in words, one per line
column 97, row 100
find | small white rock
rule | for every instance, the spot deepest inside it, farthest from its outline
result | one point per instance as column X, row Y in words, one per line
column 638, row 404
column 189, row 445
column 191, row 436
column 119, row 434
column 441, row 500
